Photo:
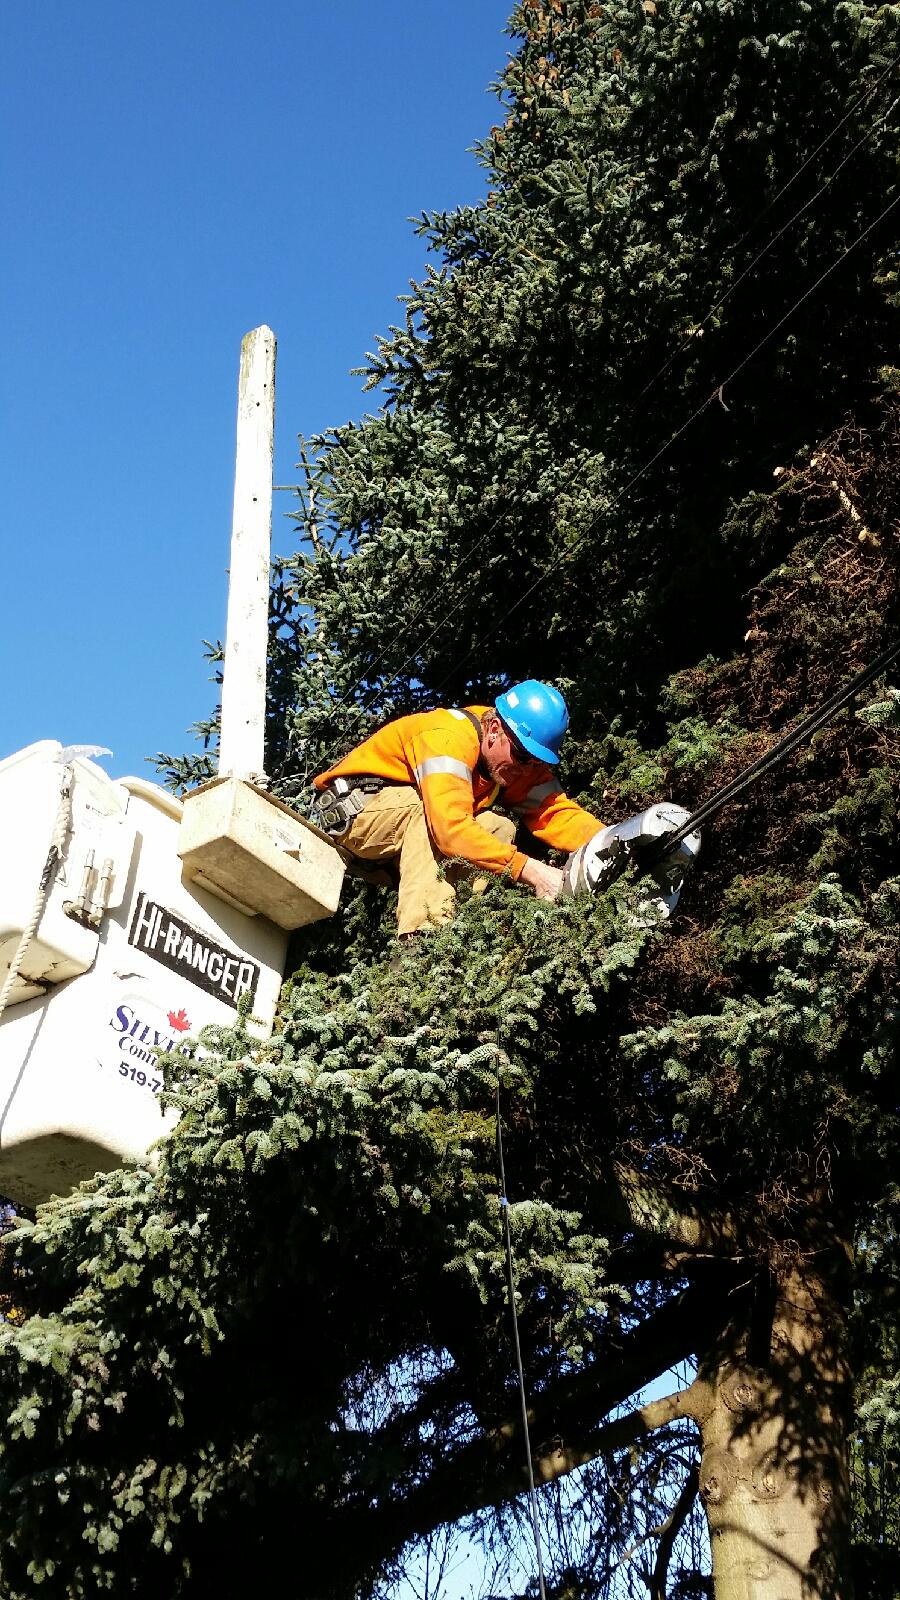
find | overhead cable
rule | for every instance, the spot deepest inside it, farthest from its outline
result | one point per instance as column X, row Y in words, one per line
column 361, row 710
column 567, row 555
column 774, row 756
column 718, row 304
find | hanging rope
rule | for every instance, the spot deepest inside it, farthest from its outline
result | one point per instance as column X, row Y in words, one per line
column 511, row 1285
column 54, row 856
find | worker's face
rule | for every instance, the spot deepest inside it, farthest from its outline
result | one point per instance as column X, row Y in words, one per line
column 502, row 756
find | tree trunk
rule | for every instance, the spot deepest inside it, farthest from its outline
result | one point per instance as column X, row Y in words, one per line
column 773, row 1475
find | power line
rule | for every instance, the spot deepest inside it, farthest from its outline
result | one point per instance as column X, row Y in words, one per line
column 438, row 627
column 718, row 304
column 774, row 756
column 716, row 392
column 370, row 667
column 361, row 710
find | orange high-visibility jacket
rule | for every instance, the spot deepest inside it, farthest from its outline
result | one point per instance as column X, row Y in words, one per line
column 437, row 752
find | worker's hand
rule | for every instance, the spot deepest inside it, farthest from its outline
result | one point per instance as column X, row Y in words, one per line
column 545, row 881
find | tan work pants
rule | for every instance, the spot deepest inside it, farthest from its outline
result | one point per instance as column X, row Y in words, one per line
column 392, row 824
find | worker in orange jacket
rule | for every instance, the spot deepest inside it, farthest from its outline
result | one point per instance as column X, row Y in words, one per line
column 421, row 790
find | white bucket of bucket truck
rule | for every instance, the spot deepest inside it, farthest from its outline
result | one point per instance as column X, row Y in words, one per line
column 129, row 919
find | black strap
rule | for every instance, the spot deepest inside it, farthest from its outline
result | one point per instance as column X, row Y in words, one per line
column 338, row 807
column 476, row 722
column 478, row 725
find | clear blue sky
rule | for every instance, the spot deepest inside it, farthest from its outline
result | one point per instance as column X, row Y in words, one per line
column 173, row 176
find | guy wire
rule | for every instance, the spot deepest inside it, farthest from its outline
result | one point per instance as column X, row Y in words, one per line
column 511, row 1285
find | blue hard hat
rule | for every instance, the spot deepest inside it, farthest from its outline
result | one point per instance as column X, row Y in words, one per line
column 536, row 714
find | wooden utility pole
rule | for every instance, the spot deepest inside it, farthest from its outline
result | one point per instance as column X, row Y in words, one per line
column 242, row 742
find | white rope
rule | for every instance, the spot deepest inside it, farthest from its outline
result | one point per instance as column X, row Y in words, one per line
column 54, row 855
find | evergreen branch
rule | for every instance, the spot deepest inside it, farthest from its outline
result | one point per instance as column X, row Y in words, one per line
column 670, row 1530
column 558, row 1456
column 490, row 1468
column 644, row 1538
column 631, row 1200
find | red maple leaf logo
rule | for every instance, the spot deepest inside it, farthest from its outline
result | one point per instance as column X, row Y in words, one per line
column 179, row 1020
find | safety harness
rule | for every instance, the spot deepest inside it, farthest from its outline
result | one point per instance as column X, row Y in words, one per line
column 343, row 800
column 340, row 804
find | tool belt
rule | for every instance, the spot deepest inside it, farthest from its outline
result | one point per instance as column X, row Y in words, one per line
column 343, row 800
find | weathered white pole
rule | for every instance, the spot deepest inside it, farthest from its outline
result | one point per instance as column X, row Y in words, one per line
column 242, row 742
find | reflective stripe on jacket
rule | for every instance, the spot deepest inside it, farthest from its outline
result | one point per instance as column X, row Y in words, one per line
column 437, row 752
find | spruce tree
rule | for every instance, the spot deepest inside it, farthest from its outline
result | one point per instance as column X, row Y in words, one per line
column 621, row 447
